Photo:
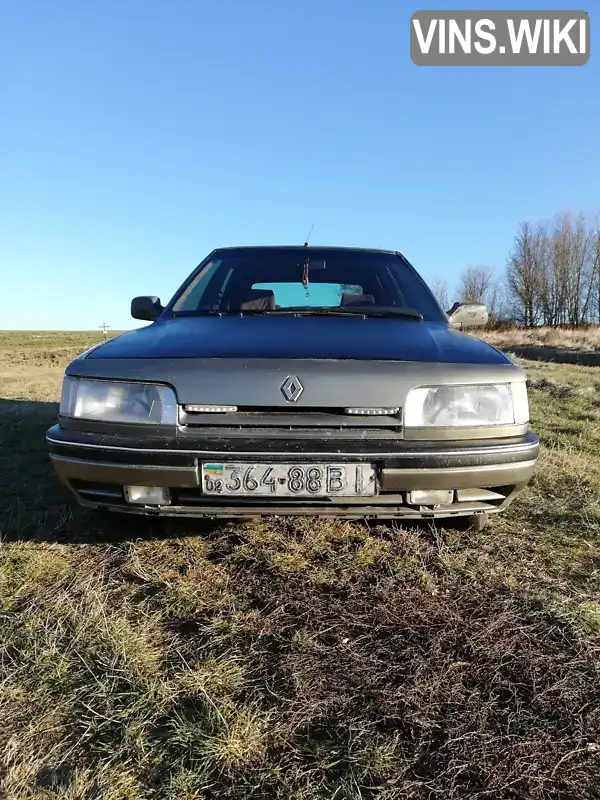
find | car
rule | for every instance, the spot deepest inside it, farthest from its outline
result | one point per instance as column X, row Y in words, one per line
column 297, row 380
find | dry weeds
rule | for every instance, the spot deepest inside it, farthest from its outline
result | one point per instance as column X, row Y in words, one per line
column 585, row 338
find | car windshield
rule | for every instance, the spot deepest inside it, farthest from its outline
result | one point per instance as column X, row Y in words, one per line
column 273, row 280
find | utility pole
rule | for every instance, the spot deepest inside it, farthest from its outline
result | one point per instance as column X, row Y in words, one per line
column 104, row 328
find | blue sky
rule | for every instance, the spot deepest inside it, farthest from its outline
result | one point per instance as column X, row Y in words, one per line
column 136, row 135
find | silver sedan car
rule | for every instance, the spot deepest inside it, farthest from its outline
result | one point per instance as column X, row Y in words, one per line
column 297, row 380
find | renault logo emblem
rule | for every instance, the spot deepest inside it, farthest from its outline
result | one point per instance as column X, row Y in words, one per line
column 291, row 388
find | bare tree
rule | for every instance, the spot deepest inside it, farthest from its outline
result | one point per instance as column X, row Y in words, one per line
column 474, row 284
column 579, row 269
column 595, row 272
column 495, row 300
column 565, row 260
column 439, row 287
column 481, row 284
column 525, row 273
column 590, row 257
column 558, row 270
column 552, row 276
column 553, row 272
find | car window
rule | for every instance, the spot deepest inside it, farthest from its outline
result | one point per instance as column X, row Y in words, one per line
column 266, row 278
column 316, row 295
column 192, row 294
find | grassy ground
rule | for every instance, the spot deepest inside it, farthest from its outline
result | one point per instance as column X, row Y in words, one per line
column 297, row 659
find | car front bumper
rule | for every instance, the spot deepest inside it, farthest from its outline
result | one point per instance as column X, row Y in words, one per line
column 485, row 476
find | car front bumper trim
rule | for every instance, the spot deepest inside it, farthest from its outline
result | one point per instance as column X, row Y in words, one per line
column 83, row 464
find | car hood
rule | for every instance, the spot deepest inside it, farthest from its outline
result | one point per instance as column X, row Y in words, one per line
column 394, row 339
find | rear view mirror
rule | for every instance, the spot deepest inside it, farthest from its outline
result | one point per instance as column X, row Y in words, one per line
column 468, row 315
column 146, row 308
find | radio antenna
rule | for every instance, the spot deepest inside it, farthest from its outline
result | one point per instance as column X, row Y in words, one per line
column 309, row 233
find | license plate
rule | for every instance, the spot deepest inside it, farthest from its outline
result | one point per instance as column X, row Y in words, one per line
column 289, row 480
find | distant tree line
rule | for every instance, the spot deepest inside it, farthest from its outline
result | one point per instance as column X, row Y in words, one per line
column 551, row 276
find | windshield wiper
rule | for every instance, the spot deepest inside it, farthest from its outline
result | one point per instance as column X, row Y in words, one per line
column 366, row 311
column 325, row 311
column 386, row 311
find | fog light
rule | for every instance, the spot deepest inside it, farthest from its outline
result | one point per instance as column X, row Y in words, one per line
column 147, row 495
column 430, row 497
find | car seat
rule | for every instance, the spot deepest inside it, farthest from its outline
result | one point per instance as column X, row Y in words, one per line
column 357, row 300
column 259, row 300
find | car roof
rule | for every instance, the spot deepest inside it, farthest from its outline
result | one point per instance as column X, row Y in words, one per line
column 305, row 247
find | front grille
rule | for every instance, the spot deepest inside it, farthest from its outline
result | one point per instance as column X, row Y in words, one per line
column 291, row 419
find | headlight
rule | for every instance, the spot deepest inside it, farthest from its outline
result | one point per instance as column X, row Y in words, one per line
column 118, row 401
column 467, row 406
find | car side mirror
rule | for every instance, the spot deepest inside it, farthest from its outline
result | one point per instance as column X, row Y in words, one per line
column 146, row 307
column 468, row 315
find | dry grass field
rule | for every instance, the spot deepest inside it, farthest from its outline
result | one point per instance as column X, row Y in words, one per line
column 297, row 659
column 586, row 338
column 563, row 345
